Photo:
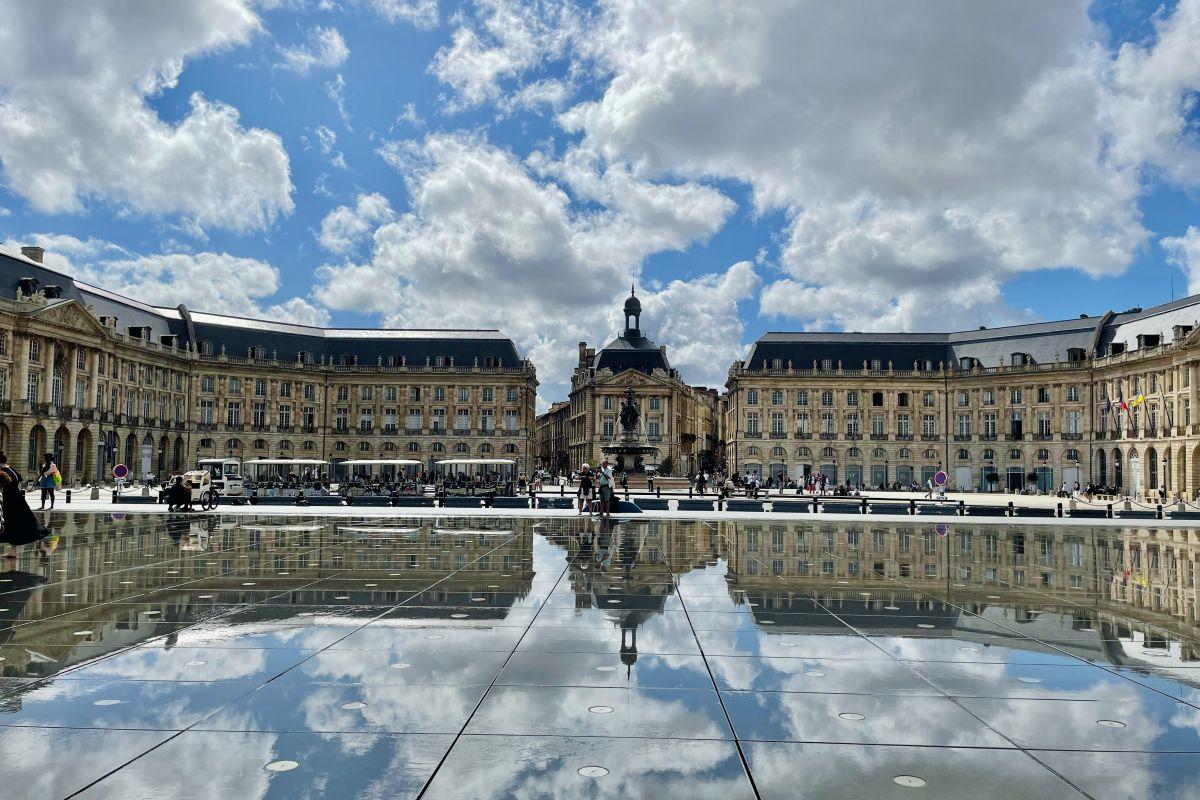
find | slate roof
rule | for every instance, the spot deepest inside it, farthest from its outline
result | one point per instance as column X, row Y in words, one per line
column 238, row 334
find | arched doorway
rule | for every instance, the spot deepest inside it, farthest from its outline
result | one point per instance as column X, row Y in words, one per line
column 130, row 446
column 177, row 455
column 62, row 450
column 164, row 449
column 1118, row 472
column 1101, row 468
column 1151, row 469
column 146, row 465
column 37, row 446
column 84, row 455
column 1135, row 473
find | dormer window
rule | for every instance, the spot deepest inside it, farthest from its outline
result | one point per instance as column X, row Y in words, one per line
column 966, row 363
column 258, row 353
column 1076, row 354
column 1020, row 359
column 206, row 348
column 305, row 357
column 395, row 361
column 349, row 361
column 1148, row 340
column 1116, row 348
column 491, row 362
column 441, row 361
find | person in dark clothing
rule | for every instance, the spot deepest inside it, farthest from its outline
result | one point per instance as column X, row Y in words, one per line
column 20, row 525
column 48, row 479
column 179, row 496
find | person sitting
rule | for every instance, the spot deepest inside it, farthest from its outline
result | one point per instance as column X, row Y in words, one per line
column 179, row 496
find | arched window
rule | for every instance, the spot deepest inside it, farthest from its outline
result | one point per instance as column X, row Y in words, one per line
column 854, row 452
column 1042, row 454
column 803, row 452
column 438, row 447
column 1072, row 455
column 413, row 447
column 1015, row 454
column 931, row 454
column 339, row 447
column 828, row 452
column 389, row 447
column 285, row 446
column 879, row 452
column 233, row 444
column 462, row 447
column 364, row 447
column 207, row 444
column 963, row 455
column 778, row 451
column 752, row 451
column 309, row 446
column 510, row 448
column 261, row 444
column 905, row 453
column 989, row 454
column 485, row 448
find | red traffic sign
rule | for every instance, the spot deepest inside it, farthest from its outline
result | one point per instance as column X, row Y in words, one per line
column 940, row 478
column 120, row 472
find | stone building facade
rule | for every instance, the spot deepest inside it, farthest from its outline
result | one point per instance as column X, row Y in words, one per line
column 679, row 420
column 99, row 379
column 997, row 409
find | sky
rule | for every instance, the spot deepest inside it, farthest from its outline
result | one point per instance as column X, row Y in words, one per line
column 775, row 165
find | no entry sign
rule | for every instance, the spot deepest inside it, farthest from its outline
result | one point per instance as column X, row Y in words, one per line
column 120, row 472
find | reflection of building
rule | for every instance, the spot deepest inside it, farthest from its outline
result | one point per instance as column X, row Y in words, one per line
column 676, row 419
column 995, row 408
column 97, row 379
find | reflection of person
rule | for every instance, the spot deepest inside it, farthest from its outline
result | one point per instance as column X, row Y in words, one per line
column 20, row 525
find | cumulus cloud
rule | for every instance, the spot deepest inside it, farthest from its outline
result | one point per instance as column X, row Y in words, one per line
column 1184, row 252
column 75, row 124
column 344, row 228
column 324, row 47
column 215, row 282
column 544, row 250
column 503, row 40
column 419, row 13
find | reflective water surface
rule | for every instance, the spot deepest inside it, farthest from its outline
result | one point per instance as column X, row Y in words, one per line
column 294, row 657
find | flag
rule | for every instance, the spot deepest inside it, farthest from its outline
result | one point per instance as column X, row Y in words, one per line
column 1137, row 401
column 1121, row 404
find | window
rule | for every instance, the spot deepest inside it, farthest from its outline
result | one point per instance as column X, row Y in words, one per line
column 827, row 364
column 285, row 389
column 1072, row 455
column 367, row 393
column 439, row 419
column 927, row 400
column 989, row 397
column 607, row 405
column 1043, row 394
column 1014, row 397
column 310, row 391
column 852, row 424
column 752, row 397
column 1043, row 454
column 752, row 423
column 487, row 420
column 488, row 395
column 902, row 426
column 260, row 387
column 877, row 399
column 776, row 398
column 902, row 399
column 777, row 423
column 31, row 387
column 439, row 394
column 35, row 351
column 259, row 415
column 207, row 412
column 656, row 404
column 235, row 385
column 464, row 394
column 309, row 417
column 510, row 395
column 964, row 424
column 927, row 425
column 826, row 398
column 1043, row 423
column 208, row 384
column 801, row 397
column 414, row 394
column 391, row 394
column 852, row 397
column 653, row 428
column 1072, row 394
column 510, row 420
column 1014, row 454
column 285, row 415
column 803, row 423
column 963, row 455
column 462, row 420
column 233, row 413
column 341, row 419
column 828, row 423
column 3, row 344
column 989, row 424
column 1074, row 422
column 877, row 425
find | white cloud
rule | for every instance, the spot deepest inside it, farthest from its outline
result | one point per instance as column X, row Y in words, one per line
column 215, row 282
column 419, row 13
column 1184, row 252
column 916, row 158
column 327, row 141
column 344, row 228
column 75, row 123
column 503, row 40
column 324, row 47
column 492, row 242
column 335, row 90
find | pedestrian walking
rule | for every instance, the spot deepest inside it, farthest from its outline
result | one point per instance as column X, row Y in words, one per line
column 49, row 479
column 20, row 525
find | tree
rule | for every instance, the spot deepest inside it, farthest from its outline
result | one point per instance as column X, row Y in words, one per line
column 667, row 466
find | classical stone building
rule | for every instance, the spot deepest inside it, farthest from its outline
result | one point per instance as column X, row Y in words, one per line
column 678, row 420
column 996, row 408
column 97, row 379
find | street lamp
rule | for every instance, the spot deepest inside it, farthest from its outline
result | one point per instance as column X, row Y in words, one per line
column 885, row 473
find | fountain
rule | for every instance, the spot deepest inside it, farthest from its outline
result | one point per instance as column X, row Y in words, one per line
column 629, row 452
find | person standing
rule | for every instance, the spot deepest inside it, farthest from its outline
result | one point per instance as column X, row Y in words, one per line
column 20, row 525
column 585, row 488
column 604, row 477
column 49, row 479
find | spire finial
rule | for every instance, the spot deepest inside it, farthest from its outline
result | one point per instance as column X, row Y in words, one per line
column 631, row 292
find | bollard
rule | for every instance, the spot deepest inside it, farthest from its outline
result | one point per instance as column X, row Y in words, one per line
column 864, row 505
column 912, row 507
column 115, row 495
column 562, row 490
column 962, row 508
column 1157, row 509
column 1059, row 510
column 658, row 492
column 689, row 493
column 1108, row 511
column 68, row 495
column 1011, row 512
column 816, row 505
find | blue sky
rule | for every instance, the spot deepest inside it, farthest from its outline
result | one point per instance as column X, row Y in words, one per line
column 427, row 163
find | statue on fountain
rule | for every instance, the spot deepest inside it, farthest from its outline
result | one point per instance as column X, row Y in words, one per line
column 629, row 413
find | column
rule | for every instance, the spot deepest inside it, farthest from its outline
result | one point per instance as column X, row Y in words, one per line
column 48, row 354
column 93, row 379
column 70, row 375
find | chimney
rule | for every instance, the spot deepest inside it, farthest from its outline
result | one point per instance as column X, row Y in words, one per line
column 33, row 253
column 582, row 352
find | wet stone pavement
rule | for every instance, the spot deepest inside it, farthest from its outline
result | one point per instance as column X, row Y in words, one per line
column 293, row 657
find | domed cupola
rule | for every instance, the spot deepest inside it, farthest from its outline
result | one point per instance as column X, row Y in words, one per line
column 633, row 308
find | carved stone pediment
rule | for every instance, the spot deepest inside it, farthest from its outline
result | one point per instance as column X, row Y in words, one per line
column 70, row 316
